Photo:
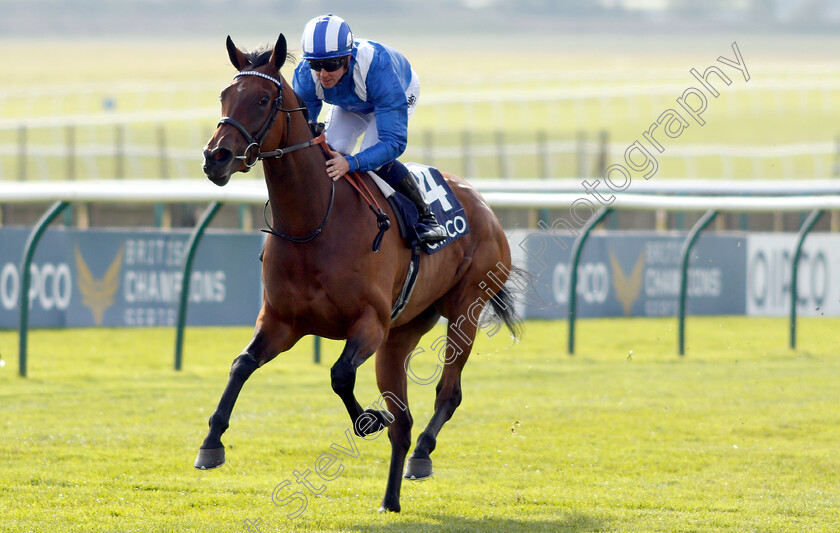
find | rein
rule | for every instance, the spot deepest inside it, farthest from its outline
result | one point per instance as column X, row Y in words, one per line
column 318, row 140
column 382, row 221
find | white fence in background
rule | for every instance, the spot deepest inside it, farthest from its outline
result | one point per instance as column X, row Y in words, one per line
column 696, row 196
column 88, row 154
column 45, row 142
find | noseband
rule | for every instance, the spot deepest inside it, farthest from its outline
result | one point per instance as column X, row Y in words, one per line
column 252, row 152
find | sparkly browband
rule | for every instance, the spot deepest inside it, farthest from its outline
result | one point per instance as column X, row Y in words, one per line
column 261, row 75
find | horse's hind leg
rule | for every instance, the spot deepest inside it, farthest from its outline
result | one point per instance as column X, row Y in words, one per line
column 262, row 348
column 460, row 336
column 391, row 379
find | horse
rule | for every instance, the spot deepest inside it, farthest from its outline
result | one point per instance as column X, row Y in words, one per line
column 321, row 279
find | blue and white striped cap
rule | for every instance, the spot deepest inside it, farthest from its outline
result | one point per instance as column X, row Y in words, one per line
column 326, row 37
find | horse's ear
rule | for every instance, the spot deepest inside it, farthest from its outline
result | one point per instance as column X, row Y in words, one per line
column 237, row 58
column 278, row 56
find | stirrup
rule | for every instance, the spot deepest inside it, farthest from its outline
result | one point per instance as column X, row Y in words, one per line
column 428, row 230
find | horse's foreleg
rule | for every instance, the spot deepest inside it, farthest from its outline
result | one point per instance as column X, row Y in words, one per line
column 460, row 337
column 212, row 451
column 363, row 339
column 259, row 351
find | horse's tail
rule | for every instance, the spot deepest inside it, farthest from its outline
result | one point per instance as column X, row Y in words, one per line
column 502, row 304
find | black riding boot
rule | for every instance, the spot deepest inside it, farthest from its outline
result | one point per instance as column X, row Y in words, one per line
column 427, row 227
column 402, row 180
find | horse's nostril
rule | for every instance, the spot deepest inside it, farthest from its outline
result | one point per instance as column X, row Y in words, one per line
column 218, row 155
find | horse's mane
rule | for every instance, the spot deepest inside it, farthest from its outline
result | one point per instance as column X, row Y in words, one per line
column 260, row 56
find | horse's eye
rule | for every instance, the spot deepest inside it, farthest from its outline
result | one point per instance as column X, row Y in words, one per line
column 264, row 100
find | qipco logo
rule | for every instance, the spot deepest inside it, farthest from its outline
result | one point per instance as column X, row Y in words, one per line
column 455, row 227
column 593, row 282
column 50, row 286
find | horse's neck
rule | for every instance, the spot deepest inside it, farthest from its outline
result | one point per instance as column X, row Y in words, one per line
column 298, row 190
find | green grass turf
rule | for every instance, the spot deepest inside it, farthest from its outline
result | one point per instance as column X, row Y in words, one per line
column 740, row 435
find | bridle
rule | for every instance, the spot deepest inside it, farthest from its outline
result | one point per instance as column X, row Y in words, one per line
column 252, row 152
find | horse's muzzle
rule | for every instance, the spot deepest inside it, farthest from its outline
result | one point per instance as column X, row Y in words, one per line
column 217, row 163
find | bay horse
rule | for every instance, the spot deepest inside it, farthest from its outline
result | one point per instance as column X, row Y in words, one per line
column 321, row 277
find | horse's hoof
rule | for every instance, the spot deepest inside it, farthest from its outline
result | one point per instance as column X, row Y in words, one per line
column 390, row 504
column 372, row 421
column 418, row 469
column 210, row 458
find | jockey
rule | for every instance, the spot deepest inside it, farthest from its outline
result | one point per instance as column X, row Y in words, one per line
column 373, row 91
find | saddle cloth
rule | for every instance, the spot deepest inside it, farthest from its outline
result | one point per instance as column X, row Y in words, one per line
column 444, row 204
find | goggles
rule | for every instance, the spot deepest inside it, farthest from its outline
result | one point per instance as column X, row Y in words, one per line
column 330, row 65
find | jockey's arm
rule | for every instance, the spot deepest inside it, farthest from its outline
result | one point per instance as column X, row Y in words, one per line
column 391, row 112
column 392, row 141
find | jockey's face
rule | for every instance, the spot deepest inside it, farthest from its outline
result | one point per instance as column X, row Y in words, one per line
column 329, row 79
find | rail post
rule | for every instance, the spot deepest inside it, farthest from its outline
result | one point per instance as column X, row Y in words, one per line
column 26, row 275
column 21, row 170
column 806, row 228
column 577, row 248
column 316, row 356
column 685, row 253
column 192, row 244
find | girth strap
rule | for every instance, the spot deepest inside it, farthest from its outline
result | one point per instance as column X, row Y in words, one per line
column 408, row 284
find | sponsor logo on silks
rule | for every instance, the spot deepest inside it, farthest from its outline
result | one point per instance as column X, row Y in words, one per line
column 627, row 287
column 98, row 294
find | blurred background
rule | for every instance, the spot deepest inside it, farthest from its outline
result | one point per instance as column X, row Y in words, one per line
column 512, row 89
